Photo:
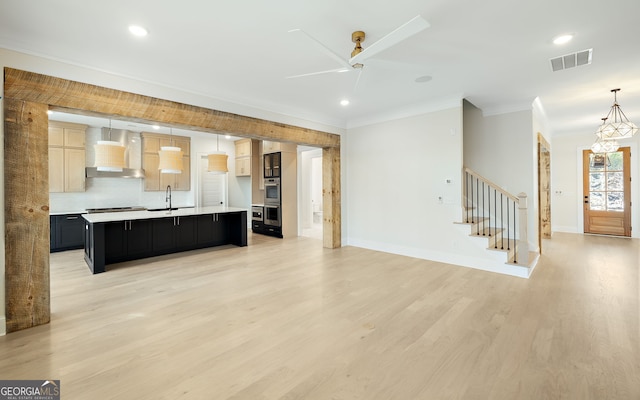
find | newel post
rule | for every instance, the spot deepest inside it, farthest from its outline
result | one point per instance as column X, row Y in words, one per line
column 523, row 240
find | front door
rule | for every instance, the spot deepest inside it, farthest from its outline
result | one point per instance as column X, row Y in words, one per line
column 607, row 192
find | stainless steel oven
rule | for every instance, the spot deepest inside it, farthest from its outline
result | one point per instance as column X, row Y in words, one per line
column 272, row 215
column 272, row 191
column 257, row 213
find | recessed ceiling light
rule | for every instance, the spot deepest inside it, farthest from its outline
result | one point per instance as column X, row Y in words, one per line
column 227, row 137
column 156, row 127
column 562, row 39
column 138, row 30
column 344, row 102
column 423, row 79
column 49, row 112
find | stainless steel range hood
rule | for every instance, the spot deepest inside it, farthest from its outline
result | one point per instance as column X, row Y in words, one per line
column 133, row 155
column 92, row 172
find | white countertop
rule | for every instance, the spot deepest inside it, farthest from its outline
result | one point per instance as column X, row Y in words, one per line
column 67, row 212
column 181, row 212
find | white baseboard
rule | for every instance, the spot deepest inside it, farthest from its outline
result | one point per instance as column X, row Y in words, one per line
column 447, row 258
column 565, row 229
column 3, row 326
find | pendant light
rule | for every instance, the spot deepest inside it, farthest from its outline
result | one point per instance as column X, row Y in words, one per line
column 109, row 155
column 170, row 157
column 602, row 145
column 619, row 126
column 217, row 160
column 605, row 146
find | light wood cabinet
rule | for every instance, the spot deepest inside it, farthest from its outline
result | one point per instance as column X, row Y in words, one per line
column 243, row 166
column 66, row 157
column 270, row 147
column 243, row 157
column 56, row 169
column 153, row 179
column 74, row 170
column 243, row 148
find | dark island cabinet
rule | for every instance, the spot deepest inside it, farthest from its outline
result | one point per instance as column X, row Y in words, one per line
column 126, row 240
column 213, row 230
column 117, row 241
column 66, row 232
column 173, row 234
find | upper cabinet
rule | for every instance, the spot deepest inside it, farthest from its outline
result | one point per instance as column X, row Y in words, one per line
column 270, row 146
column 243, row 157
column 153, row 179
column 66, row 157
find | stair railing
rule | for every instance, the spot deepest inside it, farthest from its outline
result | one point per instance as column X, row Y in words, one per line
column 496, row 211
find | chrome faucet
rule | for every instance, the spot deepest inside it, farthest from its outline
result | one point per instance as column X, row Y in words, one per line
column 167, row 197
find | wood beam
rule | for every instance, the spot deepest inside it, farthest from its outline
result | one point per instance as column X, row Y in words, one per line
column 331, row 205
column 27, row 98
column 83, row 98
column 26, row 213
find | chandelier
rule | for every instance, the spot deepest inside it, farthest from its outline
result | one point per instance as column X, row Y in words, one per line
column 619, row 126
column 602, row 145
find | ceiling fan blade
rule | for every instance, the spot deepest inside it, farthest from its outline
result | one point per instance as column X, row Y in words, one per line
column 410, row 28
column 327, row 50
column 344, row 69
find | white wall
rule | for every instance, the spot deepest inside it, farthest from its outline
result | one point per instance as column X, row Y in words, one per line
column 503, row 148
column 308, row 180
column 394, row 173
column 566, row 181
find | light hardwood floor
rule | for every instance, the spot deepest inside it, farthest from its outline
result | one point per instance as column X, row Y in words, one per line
column 288, row 319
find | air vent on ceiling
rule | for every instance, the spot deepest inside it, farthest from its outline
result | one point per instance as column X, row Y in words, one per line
column 571, row 60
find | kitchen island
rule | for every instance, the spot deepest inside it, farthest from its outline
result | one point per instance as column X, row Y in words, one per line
column 114, row 237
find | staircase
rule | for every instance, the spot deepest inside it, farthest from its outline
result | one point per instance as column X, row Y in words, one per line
column 497, row 219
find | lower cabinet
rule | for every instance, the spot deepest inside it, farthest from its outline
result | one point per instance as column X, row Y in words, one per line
column 125, row 240
column 212, row 230
column 173, row 234
column 270, row 230
column 66, row 232
column 112, row 242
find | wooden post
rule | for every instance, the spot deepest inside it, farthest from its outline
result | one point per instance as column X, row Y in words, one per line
column 26, row 213
column 331, row 205
column 523, row 241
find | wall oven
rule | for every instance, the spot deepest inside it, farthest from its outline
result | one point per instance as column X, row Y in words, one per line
column 272, row 215
column 272, row 191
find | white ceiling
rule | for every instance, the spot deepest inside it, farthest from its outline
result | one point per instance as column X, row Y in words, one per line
column 495, row 53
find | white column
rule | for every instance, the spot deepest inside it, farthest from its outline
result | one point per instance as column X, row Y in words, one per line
column 522, row 250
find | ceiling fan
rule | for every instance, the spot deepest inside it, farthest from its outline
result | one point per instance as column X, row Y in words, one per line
column 359, row 54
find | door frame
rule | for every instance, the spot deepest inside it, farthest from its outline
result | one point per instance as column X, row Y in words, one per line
column 627, row 214
column 635, row 189
column 544, row 230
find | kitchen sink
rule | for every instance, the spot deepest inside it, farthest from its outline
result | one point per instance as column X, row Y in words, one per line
column 162, row 209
